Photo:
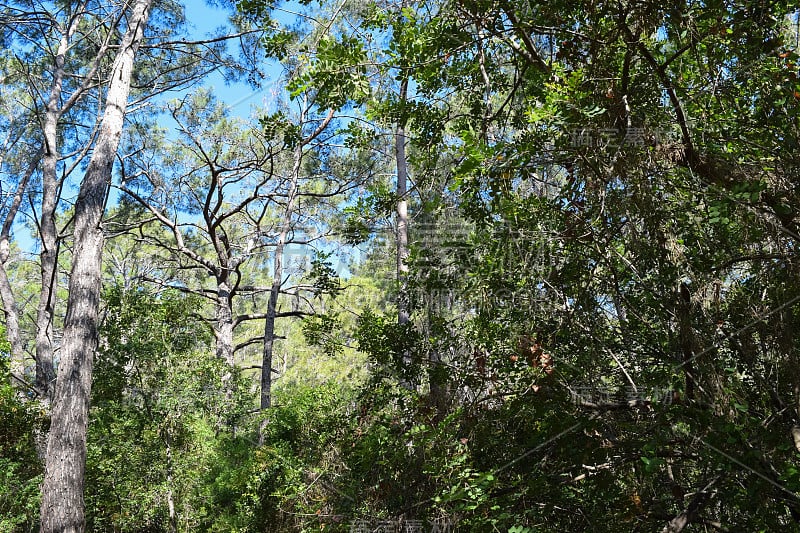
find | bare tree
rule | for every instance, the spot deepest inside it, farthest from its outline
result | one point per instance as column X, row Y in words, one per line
column 233, row 207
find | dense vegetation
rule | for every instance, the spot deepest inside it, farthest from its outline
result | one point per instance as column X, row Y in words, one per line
column 474, row 266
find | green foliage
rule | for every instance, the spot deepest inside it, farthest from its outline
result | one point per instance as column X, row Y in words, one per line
column 390, row 345
column 337, row 74
column 321, row 331
column 324, row 278
column 569, row 280
column 285, row 483
column 157, row 406
column 277, row 124
column 603, row 285
column 22, row 427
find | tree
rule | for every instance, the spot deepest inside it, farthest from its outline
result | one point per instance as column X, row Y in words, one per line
column 245, row 187
column 608, row 229
column 62, row 491
column 319, row 81
column 622, row 224
column 594, row 260
column 58, row 36
column 58, row 61
column 225, row 176
column 62, row 73
column 286, row 225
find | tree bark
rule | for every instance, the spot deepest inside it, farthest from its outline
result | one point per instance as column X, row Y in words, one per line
column 48, row 257
column 62, row 508
column 173, row 515
column 402, row 208
column 223, row 332
column 224, row 323
column 402, row 225
column 275, row 289
column 686, row 338
column 277, row 273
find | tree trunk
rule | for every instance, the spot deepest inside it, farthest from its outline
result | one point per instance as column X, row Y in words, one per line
column 686, row 338
column 173, row 515
column 277, row 273
column 48, row 258
column 402, row 225
column 11, row 314
column 275, row 289
column 224, row 320
column 402, row 209
column 223, row 332
column 62, row 509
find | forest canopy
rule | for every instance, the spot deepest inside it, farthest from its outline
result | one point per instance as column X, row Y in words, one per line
column 468, row 266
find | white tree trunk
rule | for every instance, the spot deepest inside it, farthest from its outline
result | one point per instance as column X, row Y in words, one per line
column 224, row 324
column 402, row 211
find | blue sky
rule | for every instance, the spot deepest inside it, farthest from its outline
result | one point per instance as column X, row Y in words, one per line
column 240, row 97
